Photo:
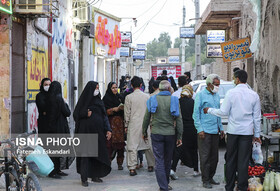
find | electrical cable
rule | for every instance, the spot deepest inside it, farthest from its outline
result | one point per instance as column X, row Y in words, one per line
column 145, row 25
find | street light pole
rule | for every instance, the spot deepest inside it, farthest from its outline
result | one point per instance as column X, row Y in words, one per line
column 197, row 43
column 183, row 44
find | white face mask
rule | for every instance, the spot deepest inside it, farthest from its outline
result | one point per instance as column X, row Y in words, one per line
column 46, row 88
column 96, row 92
column 215, row 89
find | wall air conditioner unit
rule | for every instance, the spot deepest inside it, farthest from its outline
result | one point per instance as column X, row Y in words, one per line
column 83, row 13
column 161, row 61
column 32, row 6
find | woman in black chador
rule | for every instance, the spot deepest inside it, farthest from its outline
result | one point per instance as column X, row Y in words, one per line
column 58, row 111
column 41, row 102
column 90, row 117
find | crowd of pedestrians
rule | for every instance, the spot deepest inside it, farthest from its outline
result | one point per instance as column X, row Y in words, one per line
column 168, row 125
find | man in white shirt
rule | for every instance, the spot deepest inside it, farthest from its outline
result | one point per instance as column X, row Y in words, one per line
column 242, row 105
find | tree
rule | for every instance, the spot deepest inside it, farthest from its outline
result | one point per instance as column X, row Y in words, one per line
column 159, row 47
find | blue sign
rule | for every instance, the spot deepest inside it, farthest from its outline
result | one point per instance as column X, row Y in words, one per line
column 173, row 59
column 124, row 51
column 138, row 54
column 141, row 46
column 216, row 36
column 187, row 32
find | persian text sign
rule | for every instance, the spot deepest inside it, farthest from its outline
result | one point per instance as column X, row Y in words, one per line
column 124, row 51
column 173, row 59
column 126, row 37
column 37, row 69
column 236, row 50
column 216, row 36
column 138, row 54
column 187, row 32
column 214, row 51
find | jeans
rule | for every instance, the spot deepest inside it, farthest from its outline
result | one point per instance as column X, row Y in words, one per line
column 163, row 146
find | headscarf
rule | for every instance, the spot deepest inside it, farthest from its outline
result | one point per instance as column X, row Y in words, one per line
column 173, row 83
column 85, row 99
column 110, row 99
column 55, row 89
column 151, row 82
column 42, row 84
column 187, row 91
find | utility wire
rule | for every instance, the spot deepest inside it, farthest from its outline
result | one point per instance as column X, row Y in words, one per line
column 146, row 24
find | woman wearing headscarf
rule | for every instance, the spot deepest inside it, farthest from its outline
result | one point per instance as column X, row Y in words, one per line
column 58, row 111
column 41, row 103
column 114, row 107
column 151, row 82
column 187, row 153
column 90, row 117
column 173, row 83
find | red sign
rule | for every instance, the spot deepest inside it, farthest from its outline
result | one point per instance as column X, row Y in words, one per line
column 102, row 36
column 174, row 71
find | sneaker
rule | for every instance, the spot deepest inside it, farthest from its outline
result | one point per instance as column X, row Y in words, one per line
column 196, row 174
column 173, row 176
column 207, row 185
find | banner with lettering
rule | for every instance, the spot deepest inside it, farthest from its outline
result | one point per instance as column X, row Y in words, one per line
column 236, row 50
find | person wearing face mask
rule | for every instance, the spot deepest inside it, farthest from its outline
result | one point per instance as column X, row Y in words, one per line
column 208, row 129
column 243, row 108
column 114, row 107
column 41, row 103
column 57, row 113
column 90, row 118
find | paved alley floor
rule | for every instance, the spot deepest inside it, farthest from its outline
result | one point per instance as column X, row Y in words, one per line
column 145, row 181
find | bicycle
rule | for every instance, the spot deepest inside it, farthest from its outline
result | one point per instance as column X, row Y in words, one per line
column 18, row 172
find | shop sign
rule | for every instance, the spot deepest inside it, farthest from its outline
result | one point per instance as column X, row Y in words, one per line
column 187, row 32
column 126, row 37
column 173, row 59
column 174, row 71
column 141, row 46
column 138, row 54
column 236, row 50
column 214, row 51
column 6, row 6
column 216, row 36
column 104, row 37
column 124, row 51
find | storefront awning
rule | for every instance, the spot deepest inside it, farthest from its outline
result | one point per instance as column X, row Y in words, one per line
column 218, row 15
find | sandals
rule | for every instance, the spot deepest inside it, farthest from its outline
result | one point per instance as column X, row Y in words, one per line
column 132, row 172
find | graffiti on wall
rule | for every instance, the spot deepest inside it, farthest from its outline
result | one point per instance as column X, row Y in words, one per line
column 5, row 80
column 37, row 69
column 61, row 43
column 102, row 36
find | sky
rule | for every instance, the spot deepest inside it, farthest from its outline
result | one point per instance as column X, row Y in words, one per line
column 153, row 16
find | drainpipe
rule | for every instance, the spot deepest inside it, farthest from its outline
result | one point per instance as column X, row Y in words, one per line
column 45, row 32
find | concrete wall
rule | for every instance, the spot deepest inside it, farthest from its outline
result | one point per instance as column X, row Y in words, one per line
column 266, row 60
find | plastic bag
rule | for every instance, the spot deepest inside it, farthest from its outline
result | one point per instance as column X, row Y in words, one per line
column 257, row 153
